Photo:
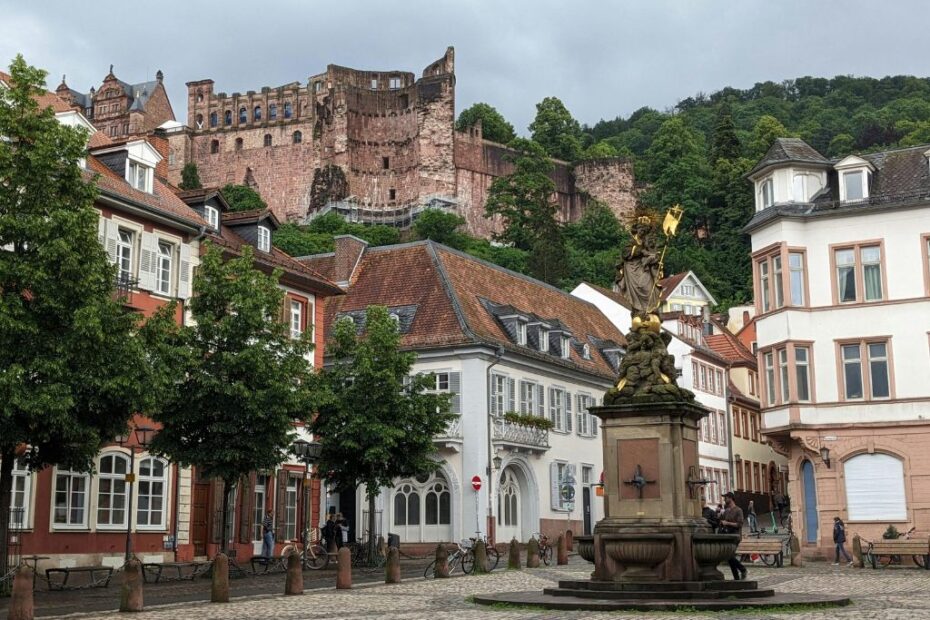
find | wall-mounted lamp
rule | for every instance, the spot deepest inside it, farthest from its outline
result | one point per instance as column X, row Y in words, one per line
column 825, row 455
column 498, row 461
column 737, row 459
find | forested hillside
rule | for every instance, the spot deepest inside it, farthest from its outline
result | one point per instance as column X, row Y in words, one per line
column 694, row 154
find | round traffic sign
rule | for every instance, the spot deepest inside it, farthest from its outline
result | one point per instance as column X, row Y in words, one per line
column 476, row 483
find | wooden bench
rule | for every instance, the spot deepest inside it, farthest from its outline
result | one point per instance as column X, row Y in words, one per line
column 176, row 571
column 58, row 577
column 771, row 547
column 886, row 552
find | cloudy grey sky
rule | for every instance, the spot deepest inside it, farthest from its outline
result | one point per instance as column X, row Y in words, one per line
column 602, row 58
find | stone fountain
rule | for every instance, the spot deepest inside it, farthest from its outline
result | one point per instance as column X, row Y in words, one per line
column 652, row 550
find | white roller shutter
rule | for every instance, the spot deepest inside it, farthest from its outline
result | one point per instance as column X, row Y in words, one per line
column 147, row 261
column 184, row 272
column 875, row 488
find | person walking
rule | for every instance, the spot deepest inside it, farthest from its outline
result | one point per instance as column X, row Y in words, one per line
column 268, row 536
column 751, row 517
column 839, row 540
column 732, row 523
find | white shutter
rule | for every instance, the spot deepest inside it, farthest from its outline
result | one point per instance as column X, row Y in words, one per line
column 511, row 394
column 875, row 488
column 553, row 417
column 148, row 261
column 568, row 411
column 555, row 499
column 111, row 237
column 102, row 231
column 581, row 419
column 455, row 387
column 541, row 404
column 184, row 272
column 494, row 384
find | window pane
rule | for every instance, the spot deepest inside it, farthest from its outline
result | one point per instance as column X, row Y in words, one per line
column 432, row 509
column 846, row 275
column 413, row 509
column 853, row 185
column 400, row 509
column 878, row 369
column 872, row 272
column 802, row 372
column 796, row 281
column 852, row 371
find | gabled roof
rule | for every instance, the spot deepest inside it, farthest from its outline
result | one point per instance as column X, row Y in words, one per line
column 730, row 348
column 45, row 99
column 451, row 290
column 238, row 218
column 789, row 150
column 203, row 194
column 670, row 283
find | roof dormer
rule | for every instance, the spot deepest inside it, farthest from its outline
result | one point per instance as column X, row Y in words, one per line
column 135, row 161
column 855, row 178
column 256, row 226
column 791, row 171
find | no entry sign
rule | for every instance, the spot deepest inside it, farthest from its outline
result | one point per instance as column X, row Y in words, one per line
column 476, row 483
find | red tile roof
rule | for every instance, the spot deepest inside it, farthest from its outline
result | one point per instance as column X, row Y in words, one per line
column 449, row 288
column 235, row 217
column 730, row 348
column 670, row 283
column 46, row 99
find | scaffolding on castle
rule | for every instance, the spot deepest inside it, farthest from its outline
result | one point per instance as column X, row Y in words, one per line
column 400, row 216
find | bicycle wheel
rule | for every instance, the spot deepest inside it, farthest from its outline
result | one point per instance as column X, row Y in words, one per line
column 888, row 560
column 316, row 558
column 468, row 562
column 455, row 560
column 430, row 571
column 546, row 555
column 769, row 559
column 920, row 560
column 494, row 557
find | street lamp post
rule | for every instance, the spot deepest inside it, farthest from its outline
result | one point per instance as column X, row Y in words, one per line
column 308, row 452
column 144, row 436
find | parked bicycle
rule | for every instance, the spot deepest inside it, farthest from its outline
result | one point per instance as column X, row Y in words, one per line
column 770, row 559
column 313, row 555
column 461, row 557
column 885, row 561
column 362, row 557
column 545, row 548
column 494, row 556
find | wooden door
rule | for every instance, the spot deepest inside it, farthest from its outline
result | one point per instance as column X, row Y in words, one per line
column 199, row 513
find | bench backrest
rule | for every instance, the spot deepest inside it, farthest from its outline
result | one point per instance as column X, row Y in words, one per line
column 913, row 547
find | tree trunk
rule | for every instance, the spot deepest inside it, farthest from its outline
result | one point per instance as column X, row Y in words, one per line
column 6, row 497
column 372, row 539
column 224, row 543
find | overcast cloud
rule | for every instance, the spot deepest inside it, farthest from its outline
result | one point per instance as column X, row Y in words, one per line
column 601, row 58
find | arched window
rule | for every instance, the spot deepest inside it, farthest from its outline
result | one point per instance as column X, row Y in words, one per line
column 287, row 109
column 227, row 117
column 238, row 144
column 438, row 503
column 257, row 113
column 273, row 111
column 213, row 119
column 200, row 121
column 298, row 137
column 267, row 139
column 243, row 116
column 214, row 147
column 875, row 488
column 152, row 483
column 406, row 505
column 112, row 493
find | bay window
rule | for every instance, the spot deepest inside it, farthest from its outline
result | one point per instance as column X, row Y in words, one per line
column 802, row 372
column 769, row 363
column 781, row 277
column 783, row 375
column 796, row 278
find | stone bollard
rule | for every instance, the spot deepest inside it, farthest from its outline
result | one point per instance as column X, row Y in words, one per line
column 532, row 553
column 22, row 605
column 513, row 556
column 795, row 551
column 857, row 551
column 294, row 582
column 481, row 558
column 569, row 540
column 562, row 551
column 392, row 566
column 219, row 592
column 441, row 568
column 344, row 571
column 130, row 596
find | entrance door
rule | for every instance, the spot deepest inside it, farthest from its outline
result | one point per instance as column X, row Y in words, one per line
column 811, row 521
column 199, row 512
column 508, row 507
column 586, row 507
column 260, row 497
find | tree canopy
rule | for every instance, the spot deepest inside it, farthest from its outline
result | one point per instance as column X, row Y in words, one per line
column 242, row 198
column 190, row 178
column 557, row 131
column 494, row 126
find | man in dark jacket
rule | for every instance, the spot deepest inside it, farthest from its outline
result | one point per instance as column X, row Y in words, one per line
column 732, row 523
column 710, row 515
column 839, row 539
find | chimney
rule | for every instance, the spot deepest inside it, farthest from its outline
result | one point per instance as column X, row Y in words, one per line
column 349, row 251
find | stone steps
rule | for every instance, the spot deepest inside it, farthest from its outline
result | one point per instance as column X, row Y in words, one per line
column 659, row 586
column 669, row 595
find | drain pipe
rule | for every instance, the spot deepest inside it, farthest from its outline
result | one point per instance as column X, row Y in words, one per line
column 498, row 354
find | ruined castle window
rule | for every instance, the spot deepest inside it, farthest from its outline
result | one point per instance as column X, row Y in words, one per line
column 238, row 144
column 287, row 109
column 273, row 111
column 199, row 97
column 257, row 113
column 227, row 118
column 394, row 83
column 200, row 121
column 404, row 101
column 392, row 194
column 243, row 115
column 298, row 137
column 213, row 119
column 214, row 146
column 267, row 139
column 317, row 87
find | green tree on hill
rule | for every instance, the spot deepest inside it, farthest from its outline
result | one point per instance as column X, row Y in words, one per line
column 556, row 131
column 494, row 126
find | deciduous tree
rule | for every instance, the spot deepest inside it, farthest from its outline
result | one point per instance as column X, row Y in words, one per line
column 494, row 126
column 242, row 198
column 556, row 131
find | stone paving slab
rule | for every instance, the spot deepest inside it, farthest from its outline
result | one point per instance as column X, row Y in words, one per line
column 883, row 595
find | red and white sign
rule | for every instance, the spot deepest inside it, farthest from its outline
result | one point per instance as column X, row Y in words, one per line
column 476, row 483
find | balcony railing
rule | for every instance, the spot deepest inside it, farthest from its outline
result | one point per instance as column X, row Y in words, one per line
column 125, row 284
column 519, row 437
column 452, row 436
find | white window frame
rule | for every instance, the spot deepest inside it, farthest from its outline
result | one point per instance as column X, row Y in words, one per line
column 498, row 394
column 22, row 487
column 212, row 215
column 557, row 408
column 113, row 478
column 125, row 246
column 766, row 193
column 296, row 318
column 566, row 347
column 139, row 175
column 164, row 264
column 543, row 340
column 529, row 390
column 863, row 184
column 291, row 491
column 521, row 332
column 152, row 479
column 264, row 239
column 70, row 476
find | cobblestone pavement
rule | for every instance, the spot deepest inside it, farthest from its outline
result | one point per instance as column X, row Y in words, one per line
column 891, row 594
